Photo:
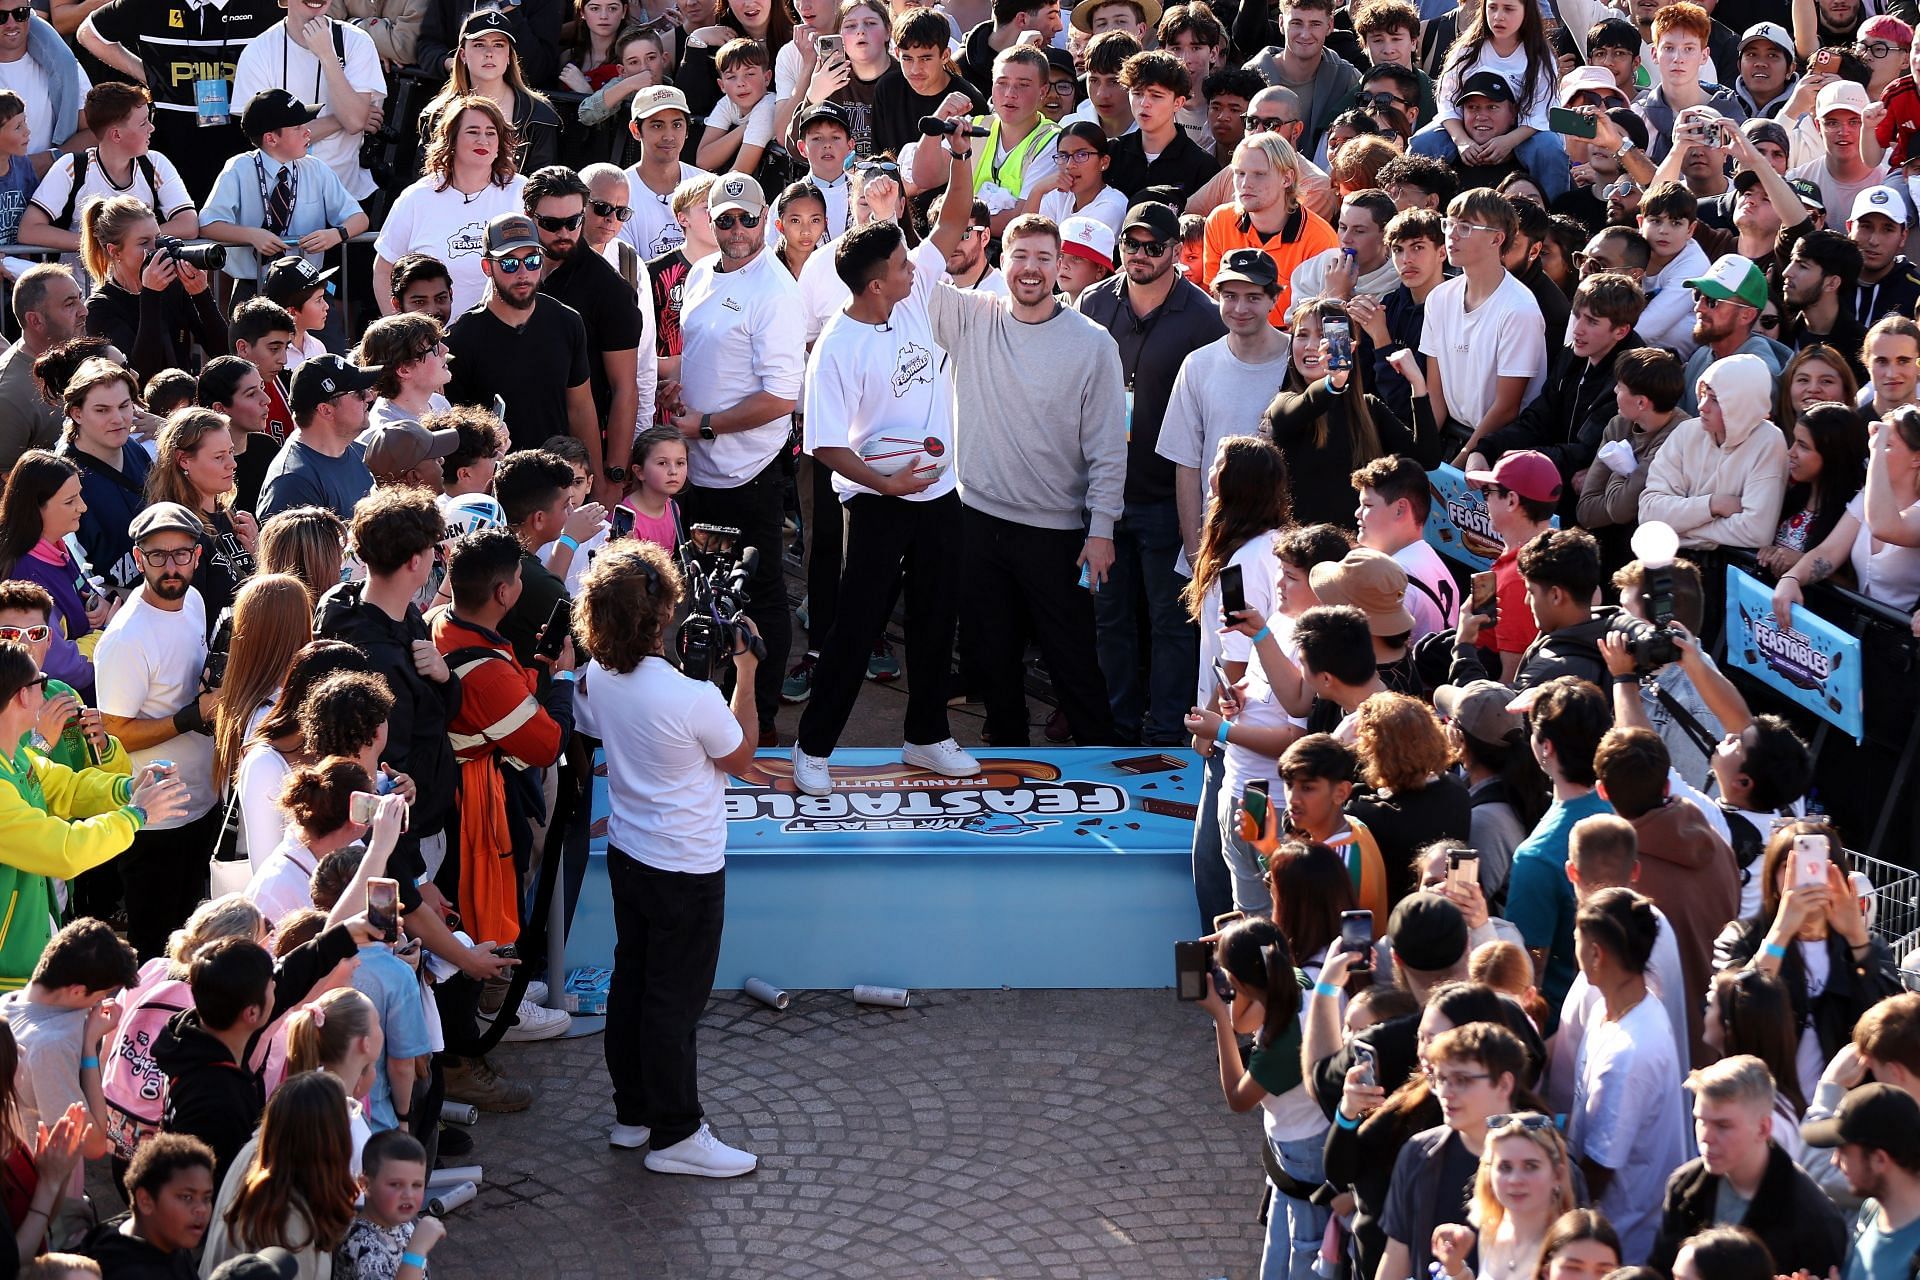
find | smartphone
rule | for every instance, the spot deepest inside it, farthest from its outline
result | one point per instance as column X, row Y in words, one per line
column 1220, row 677
column 1225, row 918
column 1338, row 335
column 1486, row 595
column 1810, row 859
column 1191, row 961
column 383, row 907
column 1572, row 124
column 361, row 806
column 1463, row 866
column 554, row 637
column 1356, row 936
column 823, row 48
column 1233, row 592
column 622, row 522
column 1364, row 1056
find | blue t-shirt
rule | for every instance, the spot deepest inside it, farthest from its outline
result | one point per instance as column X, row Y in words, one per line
column 1540, row 899
column 302, row 476
column 16, row 184
column 394, row 988
column 1881, row 1255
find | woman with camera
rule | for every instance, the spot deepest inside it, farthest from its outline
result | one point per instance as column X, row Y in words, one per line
column 670, row 743
column 149, row 299
column 194, row 467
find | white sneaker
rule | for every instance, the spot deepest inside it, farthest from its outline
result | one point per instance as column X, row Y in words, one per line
column 537, row 1023
column 946, row 757
column 811, row 776
column 629, row 1137
column 703, row 1156
column 537, row 992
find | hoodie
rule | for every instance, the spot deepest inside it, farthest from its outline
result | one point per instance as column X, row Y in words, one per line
column 1333, row 84
column 1688, row 871
column 1691, row 469
column 128, row 1257
column 1570, row 651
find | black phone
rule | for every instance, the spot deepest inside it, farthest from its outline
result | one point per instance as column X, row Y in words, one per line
column 1191, row 962
column 1571, row 124
column 554, row 636
column 1233, row 592
column 1356, row 936
column 622, row 522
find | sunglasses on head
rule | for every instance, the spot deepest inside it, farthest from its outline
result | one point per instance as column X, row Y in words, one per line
column 887, row 167
column 510, row 266
column 1525, row 1121
column 731, row 219
column 561, row 224
column 608, row 209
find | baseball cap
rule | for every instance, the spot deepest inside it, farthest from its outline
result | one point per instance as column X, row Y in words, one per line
column 1884, row 201
column 1526, row 472
column 1428, row 933
column 272, row 109
column 736, row 191
column 1885, row 27
column 1155, row 217
column 1773, row 33
column 1479, row 708
column 288, row 278
column 661, row 97
column 1764, row 130
column 164, row 517
column 1873, row 1115
column 269, row 1264
column 321, row 378
column 1589, row 80
column 481, row 21
column 1809, row 193
column 1372, row 582
column 509, row 231
column 1733, row 279
column 1082, row 19
column 399, row 447
column 832, row 112
column 1486, row 84
column 1249, row 266
column 1088, row 238
column 1841, row 95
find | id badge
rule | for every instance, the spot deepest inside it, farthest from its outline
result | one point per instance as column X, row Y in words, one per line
column 210, row 102
column 1129, row 415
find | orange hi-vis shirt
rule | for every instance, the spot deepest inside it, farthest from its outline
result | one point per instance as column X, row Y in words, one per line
column 1305, row 234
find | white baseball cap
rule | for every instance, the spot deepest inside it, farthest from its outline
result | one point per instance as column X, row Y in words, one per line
column 1841, row 95
column 1088, row 238
column 1882, row 200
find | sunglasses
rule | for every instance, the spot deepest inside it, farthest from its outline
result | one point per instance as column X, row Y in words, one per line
column 511, row 266
column 161, row 559
column 1151, row 248
column 561, row 224
column 38, row 682
column 608, row 209
column 1265, row 124
column 885, row 167
column 1525, row 1121
column 729, row 220
column 28, row 635
column 16, row 15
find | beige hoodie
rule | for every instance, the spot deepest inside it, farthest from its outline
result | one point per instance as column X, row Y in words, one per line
column 1690, row 469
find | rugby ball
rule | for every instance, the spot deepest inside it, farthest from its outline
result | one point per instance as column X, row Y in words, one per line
column 926, row 456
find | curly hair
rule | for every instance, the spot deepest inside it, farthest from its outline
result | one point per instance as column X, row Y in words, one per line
column 625, row 603
column 318, row 798
column 449, row 109
column 392, row 526
column 344, row 713
column 1400, row 742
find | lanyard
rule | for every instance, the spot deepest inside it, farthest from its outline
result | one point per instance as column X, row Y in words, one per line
column 1142, row 330
column 293, row 186
column 286, row 43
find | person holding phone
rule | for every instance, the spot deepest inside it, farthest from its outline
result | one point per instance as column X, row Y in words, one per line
column 318, row 803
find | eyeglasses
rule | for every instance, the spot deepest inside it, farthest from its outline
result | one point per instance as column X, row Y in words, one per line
column 1451, row 1080
column 1525, row 1121
column 1151, row 248
column 1075, row 158
column 1265, row 124
column 161, row 559
column 1879, row 49
column 1447, row 226
column 729, row 220
column 510, row 266
column 28, row 635
column 16, row 15
column 561, row 224
column 437, row 349
column 608, row 209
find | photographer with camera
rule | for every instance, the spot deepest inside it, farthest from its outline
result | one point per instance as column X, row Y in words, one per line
column 151, row 300
column 671, row 741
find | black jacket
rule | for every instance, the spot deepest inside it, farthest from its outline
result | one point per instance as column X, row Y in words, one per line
column 1800, row 1226
column 125, row 1257
column 1570, row 651
column 1321, row 470
column 1853, row 986
column 1567, row 420
column 1183, row 166
column 536, row 37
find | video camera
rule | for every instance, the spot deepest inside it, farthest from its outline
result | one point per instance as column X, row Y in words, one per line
column 716, row 580
column 1650, row 641
column 205, row 257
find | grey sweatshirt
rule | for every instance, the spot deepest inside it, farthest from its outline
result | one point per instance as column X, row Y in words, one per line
column 1040, row 413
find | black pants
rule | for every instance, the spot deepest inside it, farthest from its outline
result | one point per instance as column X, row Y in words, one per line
column 885, row 536
column 826, row 530
column 666, row 943
column 756, row 509
column 1018, row 578
column 165, row 878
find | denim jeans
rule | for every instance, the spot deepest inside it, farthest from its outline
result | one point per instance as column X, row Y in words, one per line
column 1212, row 886
column 1146, row 542
column 1250, row 891
column 1295, row 1228
column 1543, row 156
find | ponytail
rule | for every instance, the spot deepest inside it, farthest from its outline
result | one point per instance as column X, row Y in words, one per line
column 320, row 1032
column 102, row 224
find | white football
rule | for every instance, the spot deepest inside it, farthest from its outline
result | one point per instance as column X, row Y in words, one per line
column 890, row 455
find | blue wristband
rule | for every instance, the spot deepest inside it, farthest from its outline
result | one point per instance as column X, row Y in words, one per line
column 1775, row 950
column 1220, row 734
column 1325, row 989
column 1340, row 1118
column 1263, row 633
column 569, row 542
column 413, row 1260
column 568, row 676
column 89, row 1061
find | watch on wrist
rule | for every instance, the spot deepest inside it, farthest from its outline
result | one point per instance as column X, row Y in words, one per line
column 615, row 475
column 706, row 426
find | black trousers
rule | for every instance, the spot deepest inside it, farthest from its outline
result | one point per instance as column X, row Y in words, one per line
column 1019, row 579
column 666, row 943
column 757, row 509
column 164, row 875
column 884, row 537
column 826, row 530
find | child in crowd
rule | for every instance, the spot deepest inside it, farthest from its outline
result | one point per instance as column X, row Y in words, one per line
column 642, row 65
column 168, row 390
column 170, row 1190
column 799, row 225
column 388, row 1239
column 301, row 288
column 660, row 462
column 574, row 454
column 1193, row 245
column 741, row 124
column 60, row 1019
column 19, row 180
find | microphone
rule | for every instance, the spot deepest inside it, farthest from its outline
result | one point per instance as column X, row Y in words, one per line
column 935, row 127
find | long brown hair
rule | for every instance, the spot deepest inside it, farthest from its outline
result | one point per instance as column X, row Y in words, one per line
column 272, row 620
column 303, row 1166
column 167, row 481
column 1251, row 500
column 315, row 661
column 34, row 481
column 1360, row 425
column 439, row 159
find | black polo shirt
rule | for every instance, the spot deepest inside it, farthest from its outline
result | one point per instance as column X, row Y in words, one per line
column 1182, row 166
column 608, row 308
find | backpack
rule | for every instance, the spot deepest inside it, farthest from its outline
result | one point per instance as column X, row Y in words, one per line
column 1748, row 843
column 134, row 1086
column 142, row 163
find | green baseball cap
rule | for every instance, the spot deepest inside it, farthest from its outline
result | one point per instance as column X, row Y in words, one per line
column 1733, row 279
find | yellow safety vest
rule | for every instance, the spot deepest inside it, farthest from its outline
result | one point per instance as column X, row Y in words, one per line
column 1007, row 174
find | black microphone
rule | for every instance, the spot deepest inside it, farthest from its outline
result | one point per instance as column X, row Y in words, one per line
column 935, row 127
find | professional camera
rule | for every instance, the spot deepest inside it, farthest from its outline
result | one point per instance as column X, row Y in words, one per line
column 716, row 582
column 1650, row 646
column 1650, row 641
column 214, row 671
column 205, row 257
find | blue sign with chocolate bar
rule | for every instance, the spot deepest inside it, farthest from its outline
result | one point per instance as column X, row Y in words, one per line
column 1812, row 662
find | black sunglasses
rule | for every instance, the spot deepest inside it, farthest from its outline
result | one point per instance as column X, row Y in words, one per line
column 608, row 209
column 729, row 220
column 20, row 16
column 561, row 224
column 1152, row 248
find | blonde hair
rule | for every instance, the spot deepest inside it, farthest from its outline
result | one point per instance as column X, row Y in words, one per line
column 103, row 223
column 230, row 915
column 1741, row 1078
column 1279, row 152
column 322, row 1031
column 1486, row 1211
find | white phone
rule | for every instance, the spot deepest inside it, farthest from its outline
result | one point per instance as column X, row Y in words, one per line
column 1810, row 860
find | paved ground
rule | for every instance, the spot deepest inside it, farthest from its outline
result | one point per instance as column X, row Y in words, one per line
column 979, row 1133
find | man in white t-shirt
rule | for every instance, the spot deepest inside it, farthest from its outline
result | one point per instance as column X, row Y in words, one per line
column 36, row 64
column 1394, row 502
column 320, row 60
column 1483, row 337
column 121, row 163
column 660, row 116
column 152, row 698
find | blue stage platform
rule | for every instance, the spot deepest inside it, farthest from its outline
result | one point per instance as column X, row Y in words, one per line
column 1062, row 867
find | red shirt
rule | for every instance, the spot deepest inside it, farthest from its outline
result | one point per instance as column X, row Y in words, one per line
column 1515, row 628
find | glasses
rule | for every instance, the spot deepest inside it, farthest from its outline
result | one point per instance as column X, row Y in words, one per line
column 437, row 349
column 729, row 220
column 363, row 396
column 510, row 266
column 1265, row 124
column 38, row 682
column 1588, row 262
column 1449, row 225
column 886, row 168
column 1714, row 304
column 28, row 635
column 1381, row 98
column 1075, row 158
column 1525, row 1121
column 561, row 224
column 16, row 15
column 1769, row 322
column 1451, row 1080
column 608, row 209
column 1151, row 248
column 161, row 559
column 1877, row 49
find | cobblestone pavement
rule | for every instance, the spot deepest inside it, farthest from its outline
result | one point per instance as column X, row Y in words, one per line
column 978, row 1133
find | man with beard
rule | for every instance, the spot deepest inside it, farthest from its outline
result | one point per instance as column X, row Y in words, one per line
column 50, row 309
column 322, row 464
column 1817, row 287
column 967, row 263
column 577, row 275
column 147, row 676
column 741, row 366
column 1726, row 307
column 530, row 351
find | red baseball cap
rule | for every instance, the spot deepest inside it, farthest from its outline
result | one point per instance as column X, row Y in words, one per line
column 1531, row 475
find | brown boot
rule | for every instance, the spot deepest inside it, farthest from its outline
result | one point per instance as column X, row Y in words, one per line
column 473, row 1080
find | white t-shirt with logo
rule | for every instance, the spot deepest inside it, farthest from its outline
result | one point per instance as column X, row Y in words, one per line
column 741, row 333
column 653, row 229
column 1507, row 327
column 147, row 666
column 271, row 61
column 887, row 387
column 450, row 226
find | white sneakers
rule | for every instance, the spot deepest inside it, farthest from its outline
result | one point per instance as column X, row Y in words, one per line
column 629, row 1137
column 945, row 757
column 702, row 1156
column 536, row 992
column 810, row 773
column 537, row 1022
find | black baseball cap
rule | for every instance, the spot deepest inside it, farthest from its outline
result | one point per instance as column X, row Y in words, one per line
column 832, row 112
column 1249, row 266
column 272, row 109
column 1428, row 932
column 1873, row 1115
column 1486, row 84
column 481, row 21
column 1155, row 217
column 321, row 378
column 288, row 281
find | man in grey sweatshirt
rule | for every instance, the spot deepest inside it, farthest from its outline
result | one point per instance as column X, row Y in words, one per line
column 1041, row 451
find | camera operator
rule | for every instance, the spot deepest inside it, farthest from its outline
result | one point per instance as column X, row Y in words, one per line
column 1561, row 569
column 148, row 673
column 152, row 301
column 670, row 742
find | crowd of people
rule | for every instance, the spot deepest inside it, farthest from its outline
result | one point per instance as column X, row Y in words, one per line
column 412, row 397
